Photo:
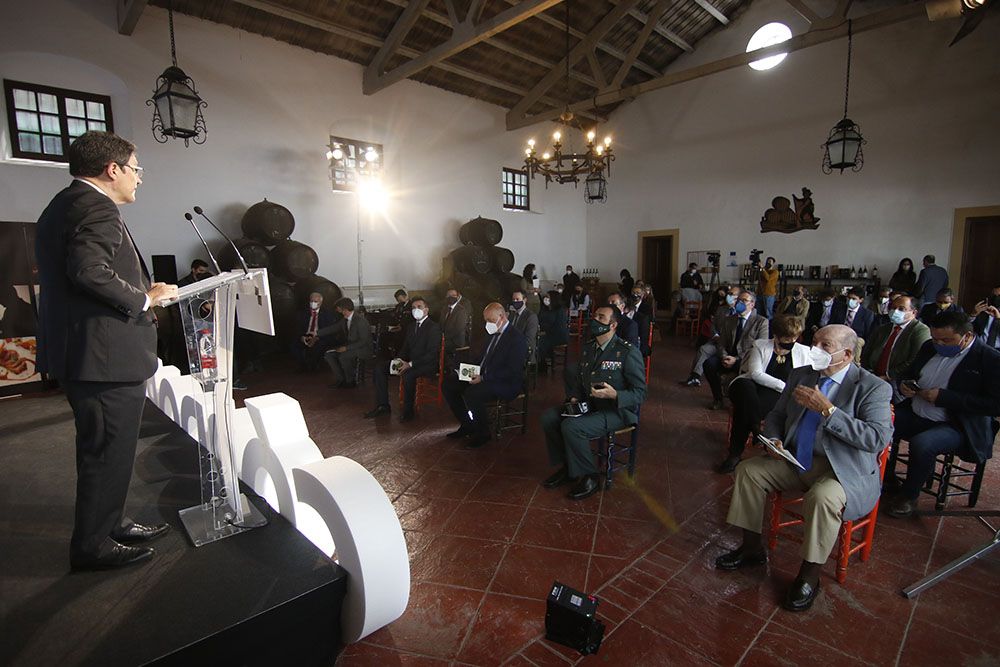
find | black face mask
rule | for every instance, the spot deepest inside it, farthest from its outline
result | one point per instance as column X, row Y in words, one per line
column 451, row 300
column 995, row 301
column 598, row 328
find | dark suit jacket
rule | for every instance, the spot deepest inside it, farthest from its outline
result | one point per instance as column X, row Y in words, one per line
column 325, row 320
column 908, row 344
column 359, row 337
column 93, row 288
column 932, row 279
column 928, row 311
column 864, row 320
column 852, row 437
column 503, row 369
column 422, row 347
column 628, row 330
column 979, row 326
column 555, row 325
column 641, row 320
column 456, row 325
column 527, row 323
column 972, row 397
column 570, row 281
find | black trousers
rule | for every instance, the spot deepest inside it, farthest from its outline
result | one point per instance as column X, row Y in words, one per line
column 751, row 402
column 713, row 373
column 408, row 378
column 464, row 398
column 107, row 416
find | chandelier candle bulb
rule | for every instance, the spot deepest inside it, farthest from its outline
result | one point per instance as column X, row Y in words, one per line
column 591, row 135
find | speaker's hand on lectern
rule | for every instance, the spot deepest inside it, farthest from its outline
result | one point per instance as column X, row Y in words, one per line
column 161, row 292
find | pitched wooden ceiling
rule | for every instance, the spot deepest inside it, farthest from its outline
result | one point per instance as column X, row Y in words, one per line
column 506, row 52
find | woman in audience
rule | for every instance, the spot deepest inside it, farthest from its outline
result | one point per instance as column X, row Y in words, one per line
column 553, row 327
column 755, row 392
column 625, row 286
column 905, row 278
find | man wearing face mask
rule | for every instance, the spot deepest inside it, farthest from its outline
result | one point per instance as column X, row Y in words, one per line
column 553, row 328
column 456, row 321
column 611, row 379
column 737, row 337
column 953, row 395
column 525, row 321
column 570, row 279
column 987, row 320
column 858, row 318
column 943, row 303
column 894, row 346
column 834, row 418
column 628, row 329
column 882, row 306
column 769, row 286
column 420, row 354
column 709, row 349
column 635, row 312
column 310, row 347
column 501, row 376
column 796, row 305
column 692, row 278
column 357, row 344
column 820, row 314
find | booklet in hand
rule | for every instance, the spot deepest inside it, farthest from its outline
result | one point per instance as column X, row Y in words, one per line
column 395, row 366
column 466, row 371
column 780, row 451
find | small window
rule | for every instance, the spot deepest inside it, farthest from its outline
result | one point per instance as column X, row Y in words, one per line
column 768, row 35
column 514, row 189
column 350, row 159
column 43, row 121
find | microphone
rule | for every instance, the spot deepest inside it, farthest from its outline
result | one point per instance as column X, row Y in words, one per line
column 198, row 210
column 190, row 219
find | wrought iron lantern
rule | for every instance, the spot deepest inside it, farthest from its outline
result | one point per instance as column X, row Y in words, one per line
column 842, row 149
column 176, row 103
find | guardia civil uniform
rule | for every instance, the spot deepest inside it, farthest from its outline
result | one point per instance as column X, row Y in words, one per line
column 620, row 365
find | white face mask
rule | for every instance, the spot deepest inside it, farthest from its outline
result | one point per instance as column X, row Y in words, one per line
column 547, row 301
column 885, row 299
column 819, row 358
column 492, row 328
column 897, row 316
column 314, row 305
column 418, row 314
column 852, row 303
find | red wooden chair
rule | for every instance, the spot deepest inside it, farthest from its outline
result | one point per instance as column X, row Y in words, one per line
column 690, row 319
column 649, row 344
column 428, row 388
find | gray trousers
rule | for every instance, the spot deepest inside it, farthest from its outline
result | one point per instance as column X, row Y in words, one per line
column 343, row 364
column 568, row 438
column 822, row 508
column 704, row 352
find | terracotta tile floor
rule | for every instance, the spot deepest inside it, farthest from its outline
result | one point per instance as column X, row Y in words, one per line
column 486, row 541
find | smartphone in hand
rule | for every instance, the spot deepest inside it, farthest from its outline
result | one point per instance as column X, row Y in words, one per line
column 911, row 385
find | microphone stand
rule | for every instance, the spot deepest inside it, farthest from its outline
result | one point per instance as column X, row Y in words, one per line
column 239, row 256
column 215, row 262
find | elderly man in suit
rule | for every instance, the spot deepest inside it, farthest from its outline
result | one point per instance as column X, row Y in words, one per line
column 524, row 320
column 501, row 376
column 356, row 346
column 893, row 347
column 421, row 355
column 739, row 331
column 97, row 336
column 953, row 397
column 834, row 418
column 310, row 347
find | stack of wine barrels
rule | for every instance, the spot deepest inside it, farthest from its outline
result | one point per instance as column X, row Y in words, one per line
column 291, row 266
column 480, row 268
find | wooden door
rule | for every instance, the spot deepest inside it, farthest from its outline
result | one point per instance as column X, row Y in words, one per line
column 657, row 268
column 980, row 269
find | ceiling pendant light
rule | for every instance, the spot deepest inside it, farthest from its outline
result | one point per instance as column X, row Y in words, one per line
column 842, row 149
column 176, row 103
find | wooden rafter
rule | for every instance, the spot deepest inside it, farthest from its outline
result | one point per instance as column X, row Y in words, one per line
column 129, row 12
column 464, row 35
column 399, row 31
column 665, row 33
column 640, row 41
column 713, row 10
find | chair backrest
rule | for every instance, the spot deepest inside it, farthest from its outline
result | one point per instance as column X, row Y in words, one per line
column 441, row 359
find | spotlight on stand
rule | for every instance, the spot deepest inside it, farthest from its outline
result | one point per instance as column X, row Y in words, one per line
column 570, row 621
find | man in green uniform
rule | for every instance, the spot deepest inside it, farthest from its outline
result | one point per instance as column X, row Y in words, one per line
column 611, row 379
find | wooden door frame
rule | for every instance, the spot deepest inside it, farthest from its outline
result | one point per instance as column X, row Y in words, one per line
column 675, row 238
column 959, row 230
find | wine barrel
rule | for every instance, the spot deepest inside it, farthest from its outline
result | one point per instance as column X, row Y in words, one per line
column 254, row 253
column 331, row 293
column 472, row 259
column 512, row 282
column 501, row 258
column 480, row 231
column 283, row 304
column 268, row 222
column 293, row 260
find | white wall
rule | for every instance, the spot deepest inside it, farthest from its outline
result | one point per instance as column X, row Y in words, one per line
column 271, row 110
column 708, row 156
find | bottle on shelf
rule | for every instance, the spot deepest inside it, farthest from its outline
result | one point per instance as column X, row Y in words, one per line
column 864, row 272
column 826, row 275
column 874, row 272
column 854, row 274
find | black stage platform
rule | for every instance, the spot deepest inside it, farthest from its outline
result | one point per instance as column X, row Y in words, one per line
column 267, row 596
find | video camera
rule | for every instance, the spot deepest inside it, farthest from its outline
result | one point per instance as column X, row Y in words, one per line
column 755, row 257
column 713, row 259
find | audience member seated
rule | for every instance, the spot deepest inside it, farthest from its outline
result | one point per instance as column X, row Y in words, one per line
column 692, row 278
column 501, row 377
column 635, row 312
column 627, row 283
column 525, row 321
column 310, row 347
column 357, row 346
column 953, row 394
column 756, row 391
column 628, row 329
column 834, row 418
column 395, row 332
column 199, row 271
column 853, row 315
column 611, row 380
column 710, row 347
column 943, row 303
column 553, row 328
column 420, row 353
column 737, row 336
column 570, row 280
column 580, row 301
column 987, row 320
column 882, row 306
column 456, row 320
column 645, row 293
column 894, row 346
column 820, row 314
column 795, row 304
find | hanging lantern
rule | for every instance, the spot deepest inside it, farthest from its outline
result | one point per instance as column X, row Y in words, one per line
column 176, row 103
column 596, row 188
column 842, row 149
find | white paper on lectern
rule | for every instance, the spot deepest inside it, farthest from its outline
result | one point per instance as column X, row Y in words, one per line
column 253, row 304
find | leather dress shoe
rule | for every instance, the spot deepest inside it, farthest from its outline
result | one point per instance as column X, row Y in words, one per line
column 119, row 555
column 737, row 559
column 477, row 440
column 558, row 478
column 902, row 508
column 378, row 411
column 140, row 533
column 800, row 596
column 462, row 432
column 728, row 465
column 586, row 487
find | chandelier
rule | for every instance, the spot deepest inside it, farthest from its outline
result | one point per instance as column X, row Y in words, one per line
column 842, row 149
column 594, row 164
column 176, row 103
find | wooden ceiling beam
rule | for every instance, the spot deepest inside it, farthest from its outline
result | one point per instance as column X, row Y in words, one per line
column 640, row 42
column 465, row 34
column 663, row 32
column 399, row 31
column 129, row 12
column 713, row 10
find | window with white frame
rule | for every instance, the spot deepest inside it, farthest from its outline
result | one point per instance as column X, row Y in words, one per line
column 514, row 189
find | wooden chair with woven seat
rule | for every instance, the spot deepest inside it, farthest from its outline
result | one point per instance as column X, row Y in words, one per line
column 689, row 321
column 944, row 480
column 508, row 414
column 848, row 543
column 615, row 454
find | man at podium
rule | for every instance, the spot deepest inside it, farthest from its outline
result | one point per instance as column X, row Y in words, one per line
column 98, row 338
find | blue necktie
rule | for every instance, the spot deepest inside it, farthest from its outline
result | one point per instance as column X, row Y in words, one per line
column 805, row 434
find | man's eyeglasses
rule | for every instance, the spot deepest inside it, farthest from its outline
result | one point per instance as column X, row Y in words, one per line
column 136, row 168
